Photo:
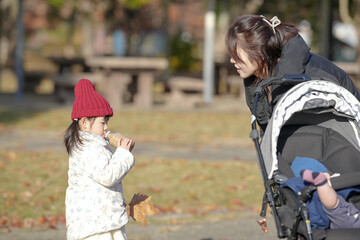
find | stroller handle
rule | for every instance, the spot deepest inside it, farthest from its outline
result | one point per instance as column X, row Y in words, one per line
column 269, row 195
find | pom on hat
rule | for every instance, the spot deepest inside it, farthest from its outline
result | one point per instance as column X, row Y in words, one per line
column 88, row 102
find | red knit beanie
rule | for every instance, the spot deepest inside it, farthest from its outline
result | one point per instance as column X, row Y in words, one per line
column 88, row 102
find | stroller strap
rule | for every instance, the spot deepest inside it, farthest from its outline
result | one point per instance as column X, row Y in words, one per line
column 287, row 79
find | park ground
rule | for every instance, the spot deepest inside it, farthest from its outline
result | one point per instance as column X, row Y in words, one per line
column 217, row 225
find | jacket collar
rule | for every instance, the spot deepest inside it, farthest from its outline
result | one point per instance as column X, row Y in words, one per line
column 294, row 56
column 93, row 137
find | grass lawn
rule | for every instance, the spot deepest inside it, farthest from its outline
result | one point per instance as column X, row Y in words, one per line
column 32, row 185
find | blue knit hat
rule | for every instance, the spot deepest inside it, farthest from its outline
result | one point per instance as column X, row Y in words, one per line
column 301, row 163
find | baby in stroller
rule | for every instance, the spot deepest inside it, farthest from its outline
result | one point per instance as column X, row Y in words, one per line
column 342, row 214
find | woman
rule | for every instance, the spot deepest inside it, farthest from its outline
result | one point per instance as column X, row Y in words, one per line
column 262, row 48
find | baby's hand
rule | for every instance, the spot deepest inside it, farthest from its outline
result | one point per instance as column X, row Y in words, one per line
column 126, row 143
column 327, row 176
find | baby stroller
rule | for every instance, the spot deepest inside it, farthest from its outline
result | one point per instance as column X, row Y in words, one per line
column 315, row 119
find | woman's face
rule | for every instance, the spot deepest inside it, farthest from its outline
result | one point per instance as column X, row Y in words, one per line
column 245, row 68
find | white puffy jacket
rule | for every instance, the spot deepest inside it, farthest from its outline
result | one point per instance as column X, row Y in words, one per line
column 94, row 197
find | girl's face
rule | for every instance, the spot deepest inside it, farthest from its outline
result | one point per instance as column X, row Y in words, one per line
column 98, row 126
column 244, row 68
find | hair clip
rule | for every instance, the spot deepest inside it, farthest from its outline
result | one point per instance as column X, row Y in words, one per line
column 274, row 22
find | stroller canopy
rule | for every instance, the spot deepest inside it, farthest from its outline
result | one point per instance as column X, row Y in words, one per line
column 315, row 96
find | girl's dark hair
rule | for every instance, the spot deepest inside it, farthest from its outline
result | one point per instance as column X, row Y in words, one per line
column 257, row 38
column 72, row 137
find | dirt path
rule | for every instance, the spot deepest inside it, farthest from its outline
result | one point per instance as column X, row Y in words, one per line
column 52, row 141
column 240, row 228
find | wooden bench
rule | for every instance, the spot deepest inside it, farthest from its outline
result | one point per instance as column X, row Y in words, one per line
column 119, row 72
column 32, row 79
column 185, row 91
column 352, row 69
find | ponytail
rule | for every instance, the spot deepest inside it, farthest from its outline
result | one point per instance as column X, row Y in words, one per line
column 72, row 137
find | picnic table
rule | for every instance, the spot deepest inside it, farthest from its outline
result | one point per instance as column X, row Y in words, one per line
column 69, row 71
column 118, row 73
column 65, row 64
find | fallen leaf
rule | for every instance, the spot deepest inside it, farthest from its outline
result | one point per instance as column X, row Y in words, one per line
column 192, row 194
column 26, row 183
column 188, row 177
column 12, row 156
column 236, row 202
column 16, row 221
column 2, row 221
column 193, row 211
column 52, row 223
column 167, row 209
column 231, row 189
column 28, row 223
column 174, row 221
column 243, row 186
column 61, row 218
column 8, row 203
column 42, row 220
column 155, row 190
column 140, row 206
column 210, row 207
column 175, row 201
column 205, row 177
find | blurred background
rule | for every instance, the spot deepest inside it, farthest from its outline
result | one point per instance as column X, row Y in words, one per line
column 149, row 58
column 154, row 52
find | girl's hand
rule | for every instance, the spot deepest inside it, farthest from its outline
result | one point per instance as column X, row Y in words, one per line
column 126, row 143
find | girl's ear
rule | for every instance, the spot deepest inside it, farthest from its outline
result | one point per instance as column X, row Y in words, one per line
column 83, row 122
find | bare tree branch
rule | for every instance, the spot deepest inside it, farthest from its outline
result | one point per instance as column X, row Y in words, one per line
column 252, row 6
column 344, row 12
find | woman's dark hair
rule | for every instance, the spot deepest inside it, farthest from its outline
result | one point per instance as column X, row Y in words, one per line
column 72, row 137
column 258, row 39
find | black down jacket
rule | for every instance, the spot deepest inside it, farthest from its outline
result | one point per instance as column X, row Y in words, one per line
column 296, row 58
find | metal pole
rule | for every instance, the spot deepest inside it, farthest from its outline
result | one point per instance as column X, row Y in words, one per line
column 326, row 26
column 208, row 61
column 19, row 51
column 165, row 33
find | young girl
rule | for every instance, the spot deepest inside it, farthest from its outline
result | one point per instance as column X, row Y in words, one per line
column 95, row 207
column 262, row 48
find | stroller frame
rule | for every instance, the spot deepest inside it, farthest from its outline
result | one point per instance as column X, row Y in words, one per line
column 274, row 194
column 272, row 191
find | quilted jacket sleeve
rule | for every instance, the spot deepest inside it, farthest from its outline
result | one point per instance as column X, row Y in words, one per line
column 107, row 169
